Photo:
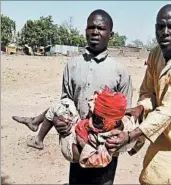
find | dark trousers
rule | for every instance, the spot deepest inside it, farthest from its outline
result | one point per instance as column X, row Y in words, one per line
column 88, row 176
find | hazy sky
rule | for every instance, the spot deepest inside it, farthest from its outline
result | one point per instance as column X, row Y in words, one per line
column 135, row 19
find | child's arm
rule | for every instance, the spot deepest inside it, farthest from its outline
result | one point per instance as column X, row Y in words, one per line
column 76, row 152
column 77, row 148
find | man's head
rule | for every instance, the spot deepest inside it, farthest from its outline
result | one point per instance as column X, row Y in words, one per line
column 163, row 30
column 99, row 31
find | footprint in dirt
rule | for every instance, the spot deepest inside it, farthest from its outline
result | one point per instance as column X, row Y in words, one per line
column 23, row 144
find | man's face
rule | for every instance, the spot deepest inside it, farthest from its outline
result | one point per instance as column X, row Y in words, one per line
column 98, row 33
column 163, row 32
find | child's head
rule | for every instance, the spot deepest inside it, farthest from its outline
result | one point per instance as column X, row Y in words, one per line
column 109, row 108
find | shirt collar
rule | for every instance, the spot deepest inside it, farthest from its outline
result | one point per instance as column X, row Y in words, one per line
column 166, row 68
column 99, row 58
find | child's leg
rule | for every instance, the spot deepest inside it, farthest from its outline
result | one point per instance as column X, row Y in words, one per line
column 31, row 122
column 37, row 141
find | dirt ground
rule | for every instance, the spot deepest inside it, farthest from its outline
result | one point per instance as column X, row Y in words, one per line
column 29, row 85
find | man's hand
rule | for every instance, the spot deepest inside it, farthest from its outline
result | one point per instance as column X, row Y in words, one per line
column 63, row 127
column 117, row 140
column 120, row 138
column 136, row 112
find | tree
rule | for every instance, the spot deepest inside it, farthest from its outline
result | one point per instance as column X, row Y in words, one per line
column 43, row 32
column 64, row 35
column 118, row 40
column 68, row 24
column 40, row 32
column 74, row 37
column 8, row 28
column 151, row 43
column 28, row 33
column 137, row 43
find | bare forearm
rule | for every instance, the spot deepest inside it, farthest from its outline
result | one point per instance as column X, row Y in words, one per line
column 141, row 108
column 135, row 134
column 76, row 152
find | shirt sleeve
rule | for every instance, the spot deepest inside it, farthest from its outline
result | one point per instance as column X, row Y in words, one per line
column 126, row 87
column 67, row 90
column 159, row 119
column 147, row 95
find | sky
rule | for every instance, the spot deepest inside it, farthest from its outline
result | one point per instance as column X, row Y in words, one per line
column 134, row 19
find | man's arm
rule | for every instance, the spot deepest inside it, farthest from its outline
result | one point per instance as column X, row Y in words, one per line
column 157, row 121
column 67, row 90
column 64, row 127
column 158, row 118
column 147, row 95
column 126, row 88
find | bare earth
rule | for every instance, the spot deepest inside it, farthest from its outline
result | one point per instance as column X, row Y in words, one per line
column 29, row 85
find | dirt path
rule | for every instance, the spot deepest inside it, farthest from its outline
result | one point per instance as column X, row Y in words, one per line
column 28, row 86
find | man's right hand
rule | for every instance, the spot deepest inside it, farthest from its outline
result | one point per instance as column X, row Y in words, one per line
column 136, row 112
column 63, row 127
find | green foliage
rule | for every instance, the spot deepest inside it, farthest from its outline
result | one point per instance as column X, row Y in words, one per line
column 43, row 32
column 118, row 40
column 39, row 32
column 8, row 28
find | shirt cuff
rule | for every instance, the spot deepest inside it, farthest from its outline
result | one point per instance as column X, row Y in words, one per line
column 154, row 125
column 147, row 104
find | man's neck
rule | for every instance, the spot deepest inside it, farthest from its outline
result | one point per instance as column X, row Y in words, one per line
column 95, row 53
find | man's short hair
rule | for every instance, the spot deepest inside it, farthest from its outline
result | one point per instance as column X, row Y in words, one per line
column 164, row 8
column 103, row 14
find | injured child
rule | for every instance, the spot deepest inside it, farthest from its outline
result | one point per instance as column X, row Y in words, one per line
column 86, row 142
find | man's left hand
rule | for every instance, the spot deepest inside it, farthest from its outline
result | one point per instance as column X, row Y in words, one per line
column 117, row 140
column 63, row 126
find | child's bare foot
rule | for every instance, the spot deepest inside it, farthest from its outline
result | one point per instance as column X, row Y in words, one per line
column 31, row 123
column 34, row 142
